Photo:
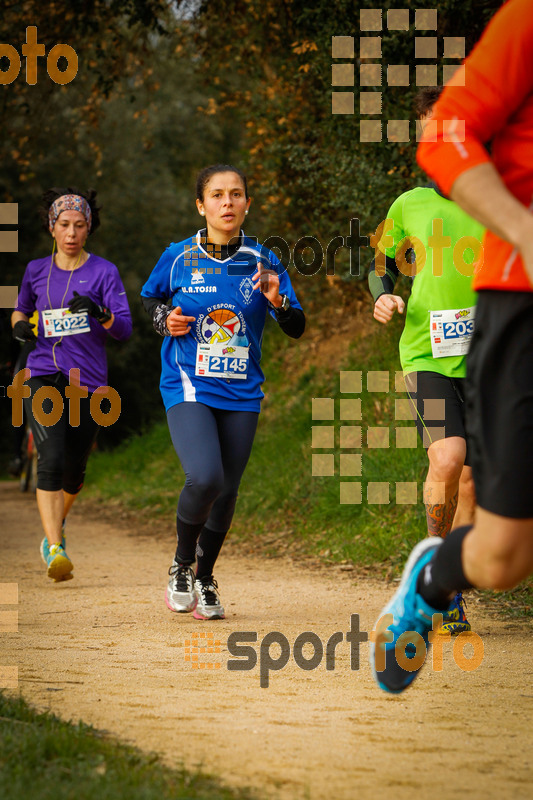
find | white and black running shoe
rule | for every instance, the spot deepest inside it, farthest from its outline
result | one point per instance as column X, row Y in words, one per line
column 180, row 595
column 208, row 605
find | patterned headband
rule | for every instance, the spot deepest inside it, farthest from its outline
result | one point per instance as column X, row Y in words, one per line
column 69, row 202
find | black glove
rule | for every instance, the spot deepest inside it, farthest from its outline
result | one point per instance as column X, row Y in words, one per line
column 23, row 331
column 80, row 302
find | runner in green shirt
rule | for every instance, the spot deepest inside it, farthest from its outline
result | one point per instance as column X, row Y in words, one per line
column 432, row 240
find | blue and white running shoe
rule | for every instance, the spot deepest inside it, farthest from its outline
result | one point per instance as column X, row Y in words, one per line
column 409, row 613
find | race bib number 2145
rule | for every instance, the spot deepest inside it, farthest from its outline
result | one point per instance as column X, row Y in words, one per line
column 222, row 361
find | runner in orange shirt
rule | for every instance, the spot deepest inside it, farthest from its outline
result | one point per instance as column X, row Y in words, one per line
column 494, row 105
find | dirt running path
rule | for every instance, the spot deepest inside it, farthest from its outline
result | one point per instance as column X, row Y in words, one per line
column 104, row 648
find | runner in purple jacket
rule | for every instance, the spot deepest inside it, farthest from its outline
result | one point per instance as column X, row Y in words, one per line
column 81, row 300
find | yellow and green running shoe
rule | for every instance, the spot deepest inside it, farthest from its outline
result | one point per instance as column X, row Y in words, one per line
column 454, row 620
column 57, row 561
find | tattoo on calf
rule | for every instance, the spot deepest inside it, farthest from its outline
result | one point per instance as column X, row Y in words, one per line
column 440, row 516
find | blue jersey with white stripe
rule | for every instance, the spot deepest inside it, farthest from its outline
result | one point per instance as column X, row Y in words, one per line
column 229, row 315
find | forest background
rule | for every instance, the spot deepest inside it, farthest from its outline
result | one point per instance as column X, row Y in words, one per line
column 164, row 88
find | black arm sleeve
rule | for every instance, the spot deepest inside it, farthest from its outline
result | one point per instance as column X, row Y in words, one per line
column 291, row 322
column 385, row 284
column 159, row 311
column 151, row 303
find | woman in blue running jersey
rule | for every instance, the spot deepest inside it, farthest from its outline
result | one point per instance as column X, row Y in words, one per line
column 208, row 297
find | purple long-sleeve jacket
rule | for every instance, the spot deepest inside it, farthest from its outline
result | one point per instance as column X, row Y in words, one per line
column 45, row 286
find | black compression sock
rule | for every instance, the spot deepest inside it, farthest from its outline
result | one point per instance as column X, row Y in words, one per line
column 207, row 550
column 443, row 576
column 187, row 538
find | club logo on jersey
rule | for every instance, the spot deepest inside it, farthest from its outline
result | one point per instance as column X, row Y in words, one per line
column 222, row 325
column 198, row 285
column 247, row 289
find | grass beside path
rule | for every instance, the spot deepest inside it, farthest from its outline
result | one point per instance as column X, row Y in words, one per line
column 43, row 758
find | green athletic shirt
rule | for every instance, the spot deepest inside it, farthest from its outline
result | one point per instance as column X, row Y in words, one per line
column 413, row 214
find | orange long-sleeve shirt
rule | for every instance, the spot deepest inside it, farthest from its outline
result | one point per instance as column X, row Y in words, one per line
column 495, row 105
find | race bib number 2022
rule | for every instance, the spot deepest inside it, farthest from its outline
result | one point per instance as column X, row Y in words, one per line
column 60, row 322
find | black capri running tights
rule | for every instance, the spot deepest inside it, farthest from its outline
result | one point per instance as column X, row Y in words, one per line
column 213, row 446
column 62, row 448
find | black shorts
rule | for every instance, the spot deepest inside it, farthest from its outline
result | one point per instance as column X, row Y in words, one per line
column 499, row 403
column 63, row 449
column 437, row 406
